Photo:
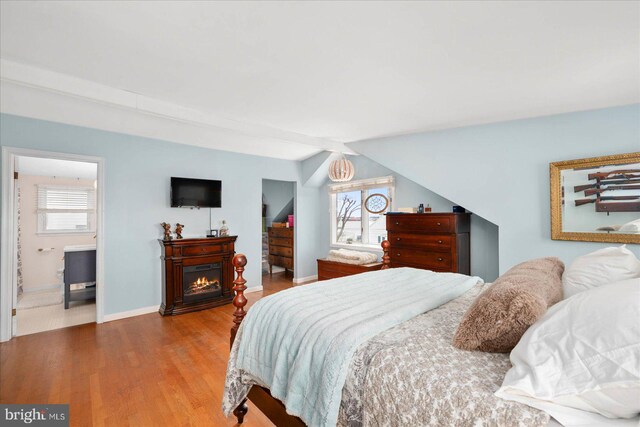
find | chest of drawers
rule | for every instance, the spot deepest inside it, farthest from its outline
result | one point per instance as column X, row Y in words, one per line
column 432, row 241
column 280, row 248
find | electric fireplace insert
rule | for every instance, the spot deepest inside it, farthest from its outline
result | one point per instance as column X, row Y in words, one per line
column 201, row 282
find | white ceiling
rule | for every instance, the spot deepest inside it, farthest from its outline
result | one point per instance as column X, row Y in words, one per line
column 289, row 79
column 55, row 167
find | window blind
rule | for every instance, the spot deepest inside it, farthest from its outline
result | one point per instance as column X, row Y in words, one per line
column 65, row 209
column 65, row 199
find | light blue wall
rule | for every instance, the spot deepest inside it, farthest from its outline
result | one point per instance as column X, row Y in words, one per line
column 137, row 176
column 501, row 171
column 498, row 171
column 276, row 195
column 484, row 235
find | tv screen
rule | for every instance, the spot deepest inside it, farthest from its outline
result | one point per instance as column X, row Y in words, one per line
column 202, row 193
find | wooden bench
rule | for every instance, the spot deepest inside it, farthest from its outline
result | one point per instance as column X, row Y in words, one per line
column 331, row 269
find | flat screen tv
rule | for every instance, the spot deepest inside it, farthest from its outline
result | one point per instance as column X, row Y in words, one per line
column 200, row 193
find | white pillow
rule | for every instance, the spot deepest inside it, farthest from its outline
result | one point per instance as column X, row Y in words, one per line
column 598, row 268
column 581, row 362
column 631, row 227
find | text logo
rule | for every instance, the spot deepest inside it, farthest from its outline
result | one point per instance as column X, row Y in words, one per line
column 35, row 415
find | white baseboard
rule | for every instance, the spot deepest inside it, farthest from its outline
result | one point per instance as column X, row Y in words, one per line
column 253, row 289
column 305, row 279
column 41, row 288
column 131, row 313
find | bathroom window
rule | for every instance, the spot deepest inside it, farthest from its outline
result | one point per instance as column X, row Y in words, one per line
column 66, row 209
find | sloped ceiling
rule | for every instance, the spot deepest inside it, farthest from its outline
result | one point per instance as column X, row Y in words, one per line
column 501, row 171
column 291, row 79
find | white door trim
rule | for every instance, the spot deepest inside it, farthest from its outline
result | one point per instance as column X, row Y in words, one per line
column 7, row 253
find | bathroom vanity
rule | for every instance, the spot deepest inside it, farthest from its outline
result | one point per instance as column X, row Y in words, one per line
column 79, row 268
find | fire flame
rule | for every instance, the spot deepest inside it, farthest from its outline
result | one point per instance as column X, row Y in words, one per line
column 202, row 283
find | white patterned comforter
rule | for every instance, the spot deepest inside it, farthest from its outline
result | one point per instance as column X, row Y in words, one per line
column 412, row 375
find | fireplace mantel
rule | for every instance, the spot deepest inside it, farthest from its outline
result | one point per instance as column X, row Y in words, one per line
column 181, row 253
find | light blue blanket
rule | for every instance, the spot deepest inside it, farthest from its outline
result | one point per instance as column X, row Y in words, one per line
column 299, row 342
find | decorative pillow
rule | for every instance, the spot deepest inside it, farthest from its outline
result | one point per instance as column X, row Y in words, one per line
column 582, row 358
column 599, row 268
column 500, row 315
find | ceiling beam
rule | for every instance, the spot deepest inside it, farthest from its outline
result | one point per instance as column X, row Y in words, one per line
column 27, row 76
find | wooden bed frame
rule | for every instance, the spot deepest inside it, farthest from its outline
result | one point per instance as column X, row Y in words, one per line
column 260, row 396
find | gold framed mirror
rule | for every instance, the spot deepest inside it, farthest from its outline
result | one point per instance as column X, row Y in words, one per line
column 596, row 199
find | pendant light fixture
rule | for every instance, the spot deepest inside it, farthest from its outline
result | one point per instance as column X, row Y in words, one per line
column 341, row 170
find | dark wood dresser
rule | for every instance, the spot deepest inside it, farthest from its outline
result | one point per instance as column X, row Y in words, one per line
column 432, row 241
column 331, row 269
column 280, row 248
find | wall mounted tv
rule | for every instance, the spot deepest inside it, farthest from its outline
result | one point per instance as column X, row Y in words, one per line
column 199, row 193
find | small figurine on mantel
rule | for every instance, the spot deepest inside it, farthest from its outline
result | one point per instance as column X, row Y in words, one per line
column 167, row 231
column 179, row 228
column 224, row 230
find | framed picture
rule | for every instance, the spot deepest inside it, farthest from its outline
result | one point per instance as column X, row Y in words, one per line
column 596, row 199
column 376, row 203
column 213, row 233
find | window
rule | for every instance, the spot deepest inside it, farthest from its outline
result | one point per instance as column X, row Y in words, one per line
column 66, row 209
column 351, row 222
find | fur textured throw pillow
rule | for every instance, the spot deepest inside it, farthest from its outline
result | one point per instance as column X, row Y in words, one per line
column 499, row 317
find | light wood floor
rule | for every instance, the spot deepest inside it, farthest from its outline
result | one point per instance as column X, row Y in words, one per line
column 142, row 371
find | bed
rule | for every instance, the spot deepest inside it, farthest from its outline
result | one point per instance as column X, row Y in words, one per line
column 406, row 374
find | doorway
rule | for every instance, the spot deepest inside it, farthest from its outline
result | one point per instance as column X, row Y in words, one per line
column 278, row 231
column 55, row 222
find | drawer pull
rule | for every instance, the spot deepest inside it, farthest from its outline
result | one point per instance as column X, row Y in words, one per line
column 440, row 241
column 437, row 223
column 439, row 259
column 398, row 254
column 397, row 223
column 397, row 238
